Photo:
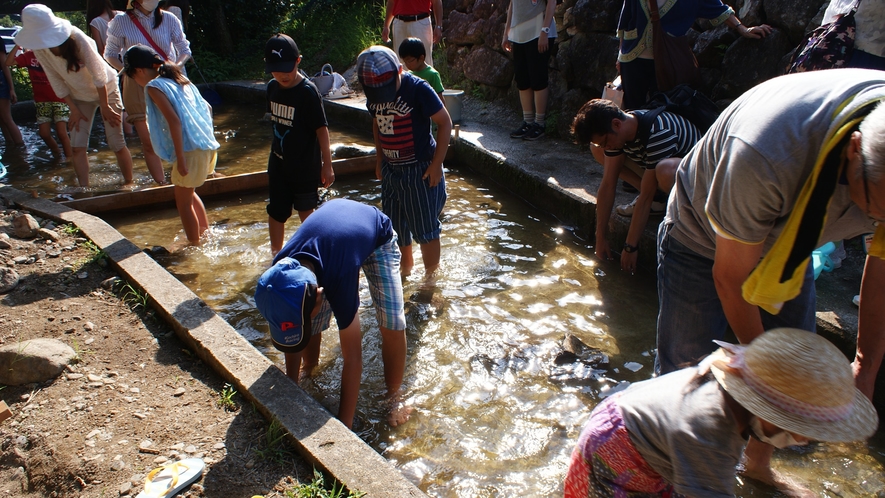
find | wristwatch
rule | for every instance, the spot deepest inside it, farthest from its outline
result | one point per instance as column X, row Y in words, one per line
column 629, row 248
column 545, row 30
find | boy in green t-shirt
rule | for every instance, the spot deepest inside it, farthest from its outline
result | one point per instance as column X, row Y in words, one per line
column 413, row 53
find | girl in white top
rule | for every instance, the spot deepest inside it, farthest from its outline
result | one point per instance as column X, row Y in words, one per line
column 98, row 14
column 78, row 75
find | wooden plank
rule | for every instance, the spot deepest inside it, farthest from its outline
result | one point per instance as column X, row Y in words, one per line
column 213, row 187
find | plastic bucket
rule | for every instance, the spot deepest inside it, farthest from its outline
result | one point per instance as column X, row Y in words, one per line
column 453, row 101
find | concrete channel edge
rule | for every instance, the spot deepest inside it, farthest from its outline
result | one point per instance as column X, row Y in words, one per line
column 319, row 437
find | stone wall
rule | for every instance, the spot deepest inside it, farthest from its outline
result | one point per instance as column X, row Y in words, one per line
column 587, row 47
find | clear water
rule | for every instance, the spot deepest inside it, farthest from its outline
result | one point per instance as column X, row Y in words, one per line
column 495, row 415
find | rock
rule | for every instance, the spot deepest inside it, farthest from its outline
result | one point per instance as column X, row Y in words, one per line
column 573, row 350
column 147, row 443
column 8, row 279
column 25, row 226
column 178, row 392
column 588, row 61
column 709, row 47
column 488, row 67
column 4, row 241
column 218, row 446
column 108, row 283
column 749, row 62
column 593, row 16
column 352, row 150
column 791, row 17
column 93, row 378
column 464, row 29
column 160, row 460
column 190, row 449
column 125, row 488
column 118, row 464
column 37, row 360
column 47, row 234
column 89, row 326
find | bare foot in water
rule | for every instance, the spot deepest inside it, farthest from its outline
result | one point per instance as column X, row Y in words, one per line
column 399, row 412
column 781, row 482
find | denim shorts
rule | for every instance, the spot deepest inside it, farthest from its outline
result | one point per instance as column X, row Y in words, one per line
column 385, row 286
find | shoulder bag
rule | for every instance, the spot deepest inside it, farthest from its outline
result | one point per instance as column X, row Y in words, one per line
column 675, row 63
column 827, row 47
column 147, row 36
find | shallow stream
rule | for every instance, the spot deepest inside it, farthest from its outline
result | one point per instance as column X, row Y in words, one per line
column 496, row 413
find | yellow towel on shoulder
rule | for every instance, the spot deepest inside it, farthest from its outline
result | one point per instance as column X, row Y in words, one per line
column 779, row 276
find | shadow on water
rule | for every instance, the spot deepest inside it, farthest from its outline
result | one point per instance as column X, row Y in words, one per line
column 499, row 404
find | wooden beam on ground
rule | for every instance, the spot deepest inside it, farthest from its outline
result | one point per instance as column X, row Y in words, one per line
column 212, row 188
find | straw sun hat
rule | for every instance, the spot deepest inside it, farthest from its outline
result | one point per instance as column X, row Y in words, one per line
column 799, row 382
column 41, row 29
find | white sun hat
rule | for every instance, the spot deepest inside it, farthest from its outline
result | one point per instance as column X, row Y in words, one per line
column 41, row 28
column 799, row 382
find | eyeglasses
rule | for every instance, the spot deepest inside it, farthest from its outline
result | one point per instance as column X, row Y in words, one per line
column 866, row 190
column 603, row 144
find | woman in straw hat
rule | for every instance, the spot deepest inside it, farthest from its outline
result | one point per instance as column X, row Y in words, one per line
column 683, row 433
column 80, row 76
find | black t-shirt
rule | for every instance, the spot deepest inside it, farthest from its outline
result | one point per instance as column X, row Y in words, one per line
column 296, row 114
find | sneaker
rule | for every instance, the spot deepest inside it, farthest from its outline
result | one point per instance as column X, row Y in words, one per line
column 657, row 208
column 536, row 132
column 521, row 131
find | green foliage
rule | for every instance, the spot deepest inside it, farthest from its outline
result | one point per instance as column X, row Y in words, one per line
column 22, row 81
column 132, row 296
column 226, row 398
column 95, row 252
column 333, row 31
column 275, row 447
column 317, row 489
column 69, row 229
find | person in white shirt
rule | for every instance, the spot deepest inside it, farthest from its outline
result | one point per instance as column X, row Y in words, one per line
column 78, row 75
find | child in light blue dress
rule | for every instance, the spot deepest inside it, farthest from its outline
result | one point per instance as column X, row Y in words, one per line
column 180, row 124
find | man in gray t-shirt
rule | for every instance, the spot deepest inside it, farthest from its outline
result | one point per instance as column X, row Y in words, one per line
column 733, row 196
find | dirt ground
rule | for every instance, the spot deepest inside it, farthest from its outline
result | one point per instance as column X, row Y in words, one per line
column 135, row 398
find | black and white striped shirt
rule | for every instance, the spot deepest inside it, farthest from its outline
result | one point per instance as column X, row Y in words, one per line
column 671, row 136
column 122, row 34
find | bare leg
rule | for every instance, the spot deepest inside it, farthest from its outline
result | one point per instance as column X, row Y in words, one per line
column 124, row 161
column 61, row 129
column 45, row 132
column 81, row 166
column 10, row 130
column 200, row 211
column 430, row 253
column 277, row 230
column 310, row 357
column 540, row 98
column 393, row 353
column 665, row 173
column 293, row 365
column 407, row 262
column 527, row 100
column 155, row 167
column 302, row 215
column 184, row 201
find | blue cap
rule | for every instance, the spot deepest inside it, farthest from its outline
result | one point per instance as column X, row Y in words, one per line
column 285, row 296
